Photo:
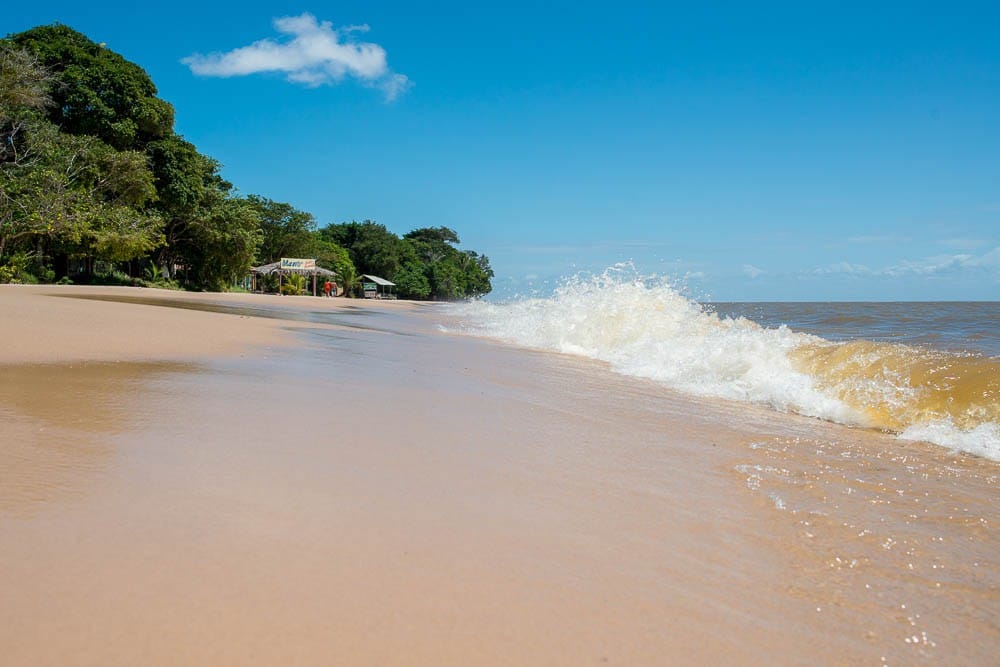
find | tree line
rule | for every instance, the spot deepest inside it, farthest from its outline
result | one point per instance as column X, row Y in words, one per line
column 96, row 186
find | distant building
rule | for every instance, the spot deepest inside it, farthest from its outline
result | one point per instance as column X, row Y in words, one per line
column 377, row 288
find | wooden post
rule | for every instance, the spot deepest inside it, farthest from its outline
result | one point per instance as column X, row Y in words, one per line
column 314, row 284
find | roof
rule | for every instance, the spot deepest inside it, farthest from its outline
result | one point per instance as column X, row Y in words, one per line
column 378, row 281
column 275, row 267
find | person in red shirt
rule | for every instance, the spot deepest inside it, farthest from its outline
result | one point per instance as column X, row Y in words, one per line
column 327, row 288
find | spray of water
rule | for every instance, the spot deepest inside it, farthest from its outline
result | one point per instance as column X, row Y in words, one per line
column 645, row 327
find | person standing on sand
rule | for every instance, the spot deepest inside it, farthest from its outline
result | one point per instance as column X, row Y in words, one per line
column 327, row 288
column 334, row 288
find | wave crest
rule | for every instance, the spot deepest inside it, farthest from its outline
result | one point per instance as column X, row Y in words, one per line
column 645, row 327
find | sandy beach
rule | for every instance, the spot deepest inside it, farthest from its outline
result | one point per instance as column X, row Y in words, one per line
column 194, row 479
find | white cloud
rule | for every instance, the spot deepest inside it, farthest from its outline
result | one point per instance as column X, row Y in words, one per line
column 316, row 54
column 844, row 268
column 938, row 265
column 947, row 264
column 752, row 271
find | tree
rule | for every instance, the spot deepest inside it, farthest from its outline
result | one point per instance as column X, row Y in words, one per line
column 286, row 231
column 191, row 192
column 39, row 196
column 123, row 234
column 181, row 174
column 97, row 91
column 432, row 243
column 120, row 185
column 24, row 82
column 447, row 281
column 411, row 281
column 449, row 272
column 331, row 256
column 373, row 248
column 477, row 272
column 74, row 193
column 24, row 86
column 222, row 242
column 79, row 194
column 23, row 93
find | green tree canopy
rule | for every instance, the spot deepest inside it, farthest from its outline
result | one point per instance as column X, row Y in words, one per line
column 182, row 175
column 24, row 83
column 411, row 281
column 79, row 195
column 449, row 272
column 331, row 256
column 286, row 231
column 373, row 248
column 201, row 217
column 97, row 91
column 221, row 242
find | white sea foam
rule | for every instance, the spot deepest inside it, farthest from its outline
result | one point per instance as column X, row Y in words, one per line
column 646, row 328
column 982, row 440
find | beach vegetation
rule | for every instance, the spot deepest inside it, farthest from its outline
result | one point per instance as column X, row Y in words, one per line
column 411, row 281
column 293, row 285
column 154, row 276
column 424, row 263
column 221, row 243
column 450, row 273
column 96, row 186
column 285, row 230
column 335, row 257
column 96, row 91
column 372, row 247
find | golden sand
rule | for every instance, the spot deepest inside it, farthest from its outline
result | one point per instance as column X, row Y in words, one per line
column 337, row 482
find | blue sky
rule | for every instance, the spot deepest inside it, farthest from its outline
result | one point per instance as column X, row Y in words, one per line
column 801, row 151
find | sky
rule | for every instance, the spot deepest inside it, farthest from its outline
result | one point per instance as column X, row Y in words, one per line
column 750, row 151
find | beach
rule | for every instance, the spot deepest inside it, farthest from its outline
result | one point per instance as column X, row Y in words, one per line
column 234, row 479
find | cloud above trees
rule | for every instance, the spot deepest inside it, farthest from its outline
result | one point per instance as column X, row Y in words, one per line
column 314, row 53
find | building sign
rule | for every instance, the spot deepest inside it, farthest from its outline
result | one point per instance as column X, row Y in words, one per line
column 371, row 290
column 300, row 264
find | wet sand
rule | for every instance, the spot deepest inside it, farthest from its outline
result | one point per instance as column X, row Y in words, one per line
column 240, row 479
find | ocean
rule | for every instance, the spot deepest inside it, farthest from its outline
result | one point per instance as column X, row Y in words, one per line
column 922, row 371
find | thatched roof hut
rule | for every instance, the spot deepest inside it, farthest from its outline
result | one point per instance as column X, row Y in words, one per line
column 285, row 268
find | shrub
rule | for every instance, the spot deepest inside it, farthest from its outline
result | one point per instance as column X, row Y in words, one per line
column 293, row 285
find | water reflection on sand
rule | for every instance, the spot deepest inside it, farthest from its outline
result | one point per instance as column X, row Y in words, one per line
column 344, row 315
column 886, row 530
column 57, row 422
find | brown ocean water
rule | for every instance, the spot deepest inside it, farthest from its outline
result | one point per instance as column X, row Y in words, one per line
column 949, row 326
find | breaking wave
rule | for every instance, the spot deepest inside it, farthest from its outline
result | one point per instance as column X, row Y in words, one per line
column 646, row 328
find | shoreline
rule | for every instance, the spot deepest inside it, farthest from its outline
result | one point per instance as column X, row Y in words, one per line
column 354, row 486
column 86, row 323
